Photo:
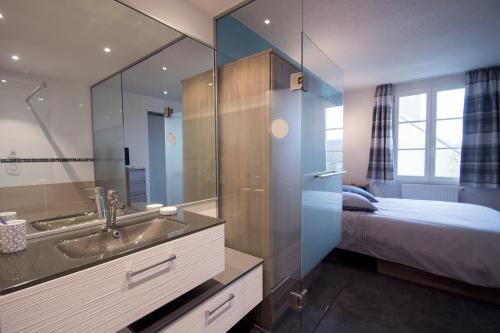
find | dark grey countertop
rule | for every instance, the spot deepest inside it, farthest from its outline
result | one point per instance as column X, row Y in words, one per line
column 42, row 261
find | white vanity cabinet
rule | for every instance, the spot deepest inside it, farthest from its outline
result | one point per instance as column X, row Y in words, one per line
column 223, row 310
column 111, row 295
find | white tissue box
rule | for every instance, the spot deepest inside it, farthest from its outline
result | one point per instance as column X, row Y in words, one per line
column 13, row 236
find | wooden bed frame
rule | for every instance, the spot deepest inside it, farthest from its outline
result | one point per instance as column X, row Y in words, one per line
column 490, row 295
column 403, row 272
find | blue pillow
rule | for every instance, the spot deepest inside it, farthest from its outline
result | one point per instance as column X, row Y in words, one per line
column 356, row 202
column 360, row 191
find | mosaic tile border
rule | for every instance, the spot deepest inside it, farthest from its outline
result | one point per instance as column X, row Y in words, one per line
column 45, row 160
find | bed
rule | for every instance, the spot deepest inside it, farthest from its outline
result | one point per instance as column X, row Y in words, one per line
column 454, row 240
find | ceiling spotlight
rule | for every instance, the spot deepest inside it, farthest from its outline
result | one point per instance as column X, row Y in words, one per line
column 164, row 68
column 40, row 99
column 1, row 16
column 15, row 57
column 165, row 92
column 4, row 81
column 210, row 84
column 107, row 49
column 267, row 21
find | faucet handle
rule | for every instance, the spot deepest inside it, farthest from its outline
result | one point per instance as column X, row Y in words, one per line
column 112, row 195
column 113, row 199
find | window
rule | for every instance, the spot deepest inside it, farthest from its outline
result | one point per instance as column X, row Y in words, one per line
column 333, row 138
column 429, row 134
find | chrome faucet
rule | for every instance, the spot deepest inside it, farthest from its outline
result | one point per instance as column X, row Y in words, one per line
column 112, row 205
column 99, row 201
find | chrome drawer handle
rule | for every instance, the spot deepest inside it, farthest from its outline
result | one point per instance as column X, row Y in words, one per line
column 131, row 274
column 209, row 313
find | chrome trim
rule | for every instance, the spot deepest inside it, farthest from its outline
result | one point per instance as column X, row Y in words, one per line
column 112, row 205
column 131, row 274
column 326, row 174
column 211, row 312
column 280, row 284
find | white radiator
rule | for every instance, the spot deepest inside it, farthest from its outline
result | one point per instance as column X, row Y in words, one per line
column 430, row 192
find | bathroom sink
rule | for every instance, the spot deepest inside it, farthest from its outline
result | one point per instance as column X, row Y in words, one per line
column 64, row 221
column 119, row 239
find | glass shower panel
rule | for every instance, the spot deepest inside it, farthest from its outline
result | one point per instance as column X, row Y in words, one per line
column 25, row 126
column 321, row 182
column 258, row 49
column 169, row 122
column 107, row 122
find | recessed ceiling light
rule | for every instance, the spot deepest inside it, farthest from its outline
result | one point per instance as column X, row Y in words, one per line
column 4, row 81
column 267, row 21
column 15, row 57
column 1, row 16
column 165, row 92
column 210, row 84
column 40, row 99
column 164, row 68
column 107, row 49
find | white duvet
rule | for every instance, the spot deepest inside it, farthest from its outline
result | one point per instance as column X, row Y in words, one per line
column 456, row 240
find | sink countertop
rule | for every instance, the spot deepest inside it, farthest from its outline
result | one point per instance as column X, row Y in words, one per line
column 43, row 261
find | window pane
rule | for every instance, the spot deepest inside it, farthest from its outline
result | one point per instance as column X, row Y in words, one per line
column 447, row 163
column 449, row 133
column 450, row 103
column 334, row 160
column 412, row 107
column 411, row 135
column 334, row 117
column 334, row 139
column 411, row 162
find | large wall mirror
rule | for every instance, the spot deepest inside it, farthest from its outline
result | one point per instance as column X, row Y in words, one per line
column 112, row 99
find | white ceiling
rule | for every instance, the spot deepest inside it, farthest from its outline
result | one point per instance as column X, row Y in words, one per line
column 184, row 59
column 64, row 39
column 214, row 7
column 380, row 41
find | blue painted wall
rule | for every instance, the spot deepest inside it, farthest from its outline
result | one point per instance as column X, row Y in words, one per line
column 235, row 41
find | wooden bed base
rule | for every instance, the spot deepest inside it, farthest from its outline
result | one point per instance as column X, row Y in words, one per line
column 490, row 295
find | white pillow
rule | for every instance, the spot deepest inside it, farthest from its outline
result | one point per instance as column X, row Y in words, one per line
column 356, row 202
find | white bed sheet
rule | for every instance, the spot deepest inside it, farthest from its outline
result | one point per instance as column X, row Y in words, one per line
column 456, row 240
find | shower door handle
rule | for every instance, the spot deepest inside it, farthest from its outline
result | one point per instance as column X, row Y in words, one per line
column 326, row 174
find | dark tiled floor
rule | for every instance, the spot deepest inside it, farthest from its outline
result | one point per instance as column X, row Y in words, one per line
column 362, row 300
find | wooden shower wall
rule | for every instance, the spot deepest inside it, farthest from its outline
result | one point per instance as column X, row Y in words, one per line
column 199, row 137
column 259, row 174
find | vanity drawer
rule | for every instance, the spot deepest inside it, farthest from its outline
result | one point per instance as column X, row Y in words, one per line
column 223, row 310
column 110, row 296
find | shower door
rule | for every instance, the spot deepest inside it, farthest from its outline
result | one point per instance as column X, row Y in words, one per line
column 322, row 169
column 279, row 179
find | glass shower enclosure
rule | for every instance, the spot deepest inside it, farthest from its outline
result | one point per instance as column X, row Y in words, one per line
column 279, row 100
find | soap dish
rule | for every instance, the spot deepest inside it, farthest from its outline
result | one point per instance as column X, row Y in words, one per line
column 171, row 210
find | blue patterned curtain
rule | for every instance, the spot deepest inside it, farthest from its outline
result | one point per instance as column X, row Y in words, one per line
column 381, row 164
column 480, row 160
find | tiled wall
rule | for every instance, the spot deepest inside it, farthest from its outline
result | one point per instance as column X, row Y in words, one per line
column 52, row 145
column 59, row 128
column 41, row 201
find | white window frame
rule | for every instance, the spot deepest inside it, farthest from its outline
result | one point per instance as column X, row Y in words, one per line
column 330, row 129
column 430, row 133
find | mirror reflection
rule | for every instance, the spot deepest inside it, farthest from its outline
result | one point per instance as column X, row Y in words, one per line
column 170, row 97
column 128, row 106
